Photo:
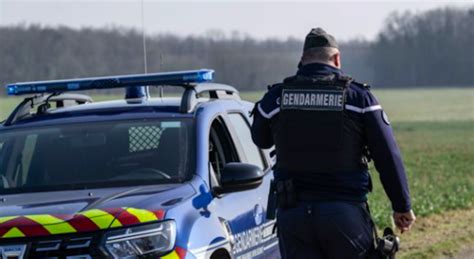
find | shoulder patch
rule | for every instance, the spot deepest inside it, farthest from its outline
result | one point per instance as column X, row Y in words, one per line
column 312, row 99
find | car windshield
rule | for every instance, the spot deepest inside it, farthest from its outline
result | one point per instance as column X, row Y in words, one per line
column 93, row 155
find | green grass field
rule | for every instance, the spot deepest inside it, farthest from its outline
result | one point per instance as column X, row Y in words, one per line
column 435, row 131
column 438, row 158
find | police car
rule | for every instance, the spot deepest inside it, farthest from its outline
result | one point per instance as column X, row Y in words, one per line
column 134, row 178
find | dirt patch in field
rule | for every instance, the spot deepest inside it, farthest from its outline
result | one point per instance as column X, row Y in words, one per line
column 466, row 253
column 448, row 235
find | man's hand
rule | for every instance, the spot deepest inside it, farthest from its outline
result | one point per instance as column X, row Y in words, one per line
column 404, row 221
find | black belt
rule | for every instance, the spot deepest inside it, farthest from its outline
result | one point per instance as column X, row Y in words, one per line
column 307, row 196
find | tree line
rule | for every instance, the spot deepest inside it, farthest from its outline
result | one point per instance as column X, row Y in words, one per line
column 434, row 48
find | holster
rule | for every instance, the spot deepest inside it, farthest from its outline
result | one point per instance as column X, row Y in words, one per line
column 286, row 194
column 272, row 201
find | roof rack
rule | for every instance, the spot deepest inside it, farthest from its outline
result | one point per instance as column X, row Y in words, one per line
column 43, row 103
column 195, row 82
column 190, row 97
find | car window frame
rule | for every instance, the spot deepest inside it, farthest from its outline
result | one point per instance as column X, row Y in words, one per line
column 3, row 164
column 2, row 148
column 220, row 118
column 235, row 138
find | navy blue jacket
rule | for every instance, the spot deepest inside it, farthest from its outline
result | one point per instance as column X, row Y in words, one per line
column 362, row 106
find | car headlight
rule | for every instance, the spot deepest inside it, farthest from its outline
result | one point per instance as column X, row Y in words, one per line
column 150, row 240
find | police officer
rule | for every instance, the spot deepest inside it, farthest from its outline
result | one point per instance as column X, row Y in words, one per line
column 325, row 126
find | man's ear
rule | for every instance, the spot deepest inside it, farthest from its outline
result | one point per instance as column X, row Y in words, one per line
column 337, row 60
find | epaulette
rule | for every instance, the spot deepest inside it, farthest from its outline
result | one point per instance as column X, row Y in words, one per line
column 363, row 85
column 344, row 80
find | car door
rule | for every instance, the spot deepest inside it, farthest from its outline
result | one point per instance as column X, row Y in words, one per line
column 239, row 126
column 242, row 213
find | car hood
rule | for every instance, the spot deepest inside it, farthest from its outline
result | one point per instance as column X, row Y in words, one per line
column 63, row 212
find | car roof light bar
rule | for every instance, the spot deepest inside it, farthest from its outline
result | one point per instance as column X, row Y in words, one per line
column 156, row 79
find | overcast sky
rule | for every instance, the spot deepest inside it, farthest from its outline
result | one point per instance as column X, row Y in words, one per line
column 262, row 19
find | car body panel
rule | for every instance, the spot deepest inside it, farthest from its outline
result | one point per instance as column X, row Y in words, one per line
column 75, row 201
column 234, row 222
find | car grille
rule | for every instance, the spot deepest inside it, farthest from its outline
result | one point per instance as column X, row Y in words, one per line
column 64, row 246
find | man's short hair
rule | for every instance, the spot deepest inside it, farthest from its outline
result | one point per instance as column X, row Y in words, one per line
column 320, row 54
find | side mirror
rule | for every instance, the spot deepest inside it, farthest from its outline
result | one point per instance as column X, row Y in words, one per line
column 239, row 177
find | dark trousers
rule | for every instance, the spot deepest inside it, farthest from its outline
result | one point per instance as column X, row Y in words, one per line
column 325, row 230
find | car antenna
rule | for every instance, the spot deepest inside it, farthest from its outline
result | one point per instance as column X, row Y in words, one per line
column 161, row 67
column 145, row 60
column 140, row 92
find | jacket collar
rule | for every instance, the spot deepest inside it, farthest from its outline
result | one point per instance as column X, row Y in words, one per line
column 314, row 69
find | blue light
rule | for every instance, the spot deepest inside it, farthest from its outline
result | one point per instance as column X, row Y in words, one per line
column 156, row 79
column 11, row 90
column 208, row 76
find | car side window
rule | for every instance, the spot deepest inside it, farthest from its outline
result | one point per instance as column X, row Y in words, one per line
column 221, row 148
column 253, row 154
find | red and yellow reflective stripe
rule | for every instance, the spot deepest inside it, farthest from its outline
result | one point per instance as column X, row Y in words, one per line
column 13, row 232
column 172, row 255
column 91, row 220
column 178, row 253
column 5, row 219
column 142, row 215
column 52, row 224
column 101, row 218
